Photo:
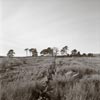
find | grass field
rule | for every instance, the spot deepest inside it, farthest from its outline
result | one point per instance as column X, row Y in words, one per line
column 76, row 78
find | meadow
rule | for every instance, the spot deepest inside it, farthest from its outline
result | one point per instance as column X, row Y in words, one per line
column 75, row 78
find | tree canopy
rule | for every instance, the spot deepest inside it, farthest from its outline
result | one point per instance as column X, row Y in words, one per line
column 10, row 53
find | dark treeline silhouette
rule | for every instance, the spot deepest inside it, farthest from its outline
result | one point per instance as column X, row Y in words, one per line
column 52, row 52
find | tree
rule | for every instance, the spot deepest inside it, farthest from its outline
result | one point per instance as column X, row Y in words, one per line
column 84, row 54
column 44, row 52
column 10, row 53
column 26, row 51
column 55, row 51
column 64, row 50
column 34, row 52
column 78, row 54
column 30, row 50
column 90, row 54
column 48, row 51
column 74, row 52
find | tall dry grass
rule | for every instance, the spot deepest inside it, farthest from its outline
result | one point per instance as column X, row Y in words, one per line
column 84, row 87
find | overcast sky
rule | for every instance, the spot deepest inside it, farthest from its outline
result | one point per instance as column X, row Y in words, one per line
column 49, row 23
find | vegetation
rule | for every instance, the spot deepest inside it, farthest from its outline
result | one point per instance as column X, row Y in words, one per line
column 38, row 78
column 34, row 52
column 52, row 52
column 55, row 51
column 26, row 51
column 48, row 51
column 73, row 76
column 74, row 52
column 64, row 50
column 10, row 53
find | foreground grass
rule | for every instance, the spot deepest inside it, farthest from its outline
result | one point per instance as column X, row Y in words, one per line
column 24, row 79
column 61, row 90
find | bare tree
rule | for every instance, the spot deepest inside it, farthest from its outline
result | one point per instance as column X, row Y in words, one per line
column 55, row 51
column 26, row 51
column 30, row 51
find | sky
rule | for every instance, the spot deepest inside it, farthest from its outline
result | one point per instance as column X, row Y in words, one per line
column 49, row 23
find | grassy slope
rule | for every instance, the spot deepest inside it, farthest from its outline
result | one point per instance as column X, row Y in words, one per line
column 18, row 76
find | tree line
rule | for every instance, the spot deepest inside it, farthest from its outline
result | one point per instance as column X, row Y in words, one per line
column 51, row 52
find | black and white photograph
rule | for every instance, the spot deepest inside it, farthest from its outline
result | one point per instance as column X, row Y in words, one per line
column 49, row 49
